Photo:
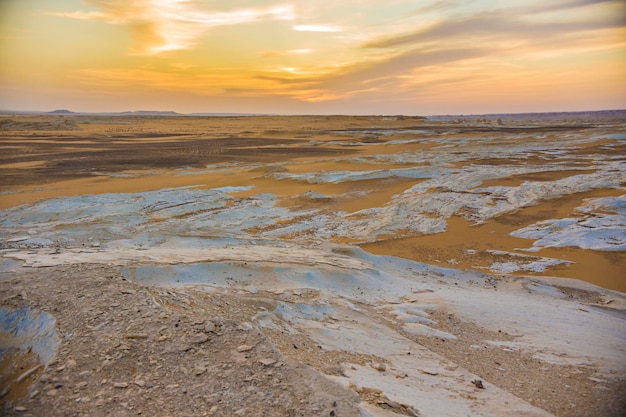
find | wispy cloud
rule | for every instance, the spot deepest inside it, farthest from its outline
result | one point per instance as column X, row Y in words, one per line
column 301, row 51
column 317, row 28
column 517, row 23
column 167, row 25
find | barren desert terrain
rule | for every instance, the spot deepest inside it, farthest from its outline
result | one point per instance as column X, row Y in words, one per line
column 313, row 265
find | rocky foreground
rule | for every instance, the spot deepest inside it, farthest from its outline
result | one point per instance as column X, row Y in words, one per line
column 335, row 331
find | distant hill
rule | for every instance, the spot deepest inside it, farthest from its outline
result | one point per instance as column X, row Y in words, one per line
column 147, row 113
column 61, row 112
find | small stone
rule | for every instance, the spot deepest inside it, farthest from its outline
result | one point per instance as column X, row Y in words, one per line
column 246, row 326
column 139, row 382
column 209, row 327
column 244, row 348
column 120, row 385
column 430, row 372
column 125, row 291
column 198, row 338
column 20, row 409
column 380, row 367
column 478, row 383
column 52, row 393
column 199, row 371
column 267, row 361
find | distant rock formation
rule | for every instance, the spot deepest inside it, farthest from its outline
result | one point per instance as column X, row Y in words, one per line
column 63, row 111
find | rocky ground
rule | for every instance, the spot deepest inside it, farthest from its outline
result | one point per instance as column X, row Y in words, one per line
column 129, row 350
column 214, row 267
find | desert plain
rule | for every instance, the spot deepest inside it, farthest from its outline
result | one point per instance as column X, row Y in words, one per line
column 313, row 265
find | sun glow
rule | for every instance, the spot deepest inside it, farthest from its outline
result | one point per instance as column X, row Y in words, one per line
column 395, row 58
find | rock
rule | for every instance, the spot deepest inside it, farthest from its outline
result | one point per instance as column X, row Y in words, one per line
column 120, row 385
column 244, row 348
column 478, row 383
column 52, row 393
column 209, row 327
column 429, row 372
column 267, row 361
column 20, row 409
column 245, row 326
column 380, row 367
column 26, row 374
column 139, row 382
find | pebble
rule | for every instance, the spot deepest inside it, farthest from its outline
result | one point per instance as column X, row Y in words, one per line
column 52, row 393
column 120, row 385
column 429, row 372
column 478, row 383
column 139, row 382
column 244, row 348
column 20, row 409
column 209, row 327
column 246, row 326
column 380, row 367
column 267, row 361
column 199, row 371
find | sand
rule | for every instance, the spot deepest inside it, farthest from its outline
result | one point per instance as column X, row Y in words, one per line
column 257, row 196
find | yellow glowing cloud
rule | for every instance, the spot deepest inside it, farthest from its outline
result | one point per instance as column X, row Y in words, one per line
column 303, row 56
column 168, row 25
column 316, row 28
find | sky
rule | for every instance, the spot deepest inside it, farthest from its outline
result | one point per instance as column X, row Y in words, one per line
column 418, row 57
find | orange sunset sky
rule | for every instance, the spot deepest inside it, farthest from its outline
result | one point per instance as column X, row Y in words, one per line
column 313, row 57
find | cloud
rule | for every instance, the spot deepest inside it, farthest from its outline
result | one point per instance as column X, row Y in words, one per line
column 168, row 25
column 514, row 23
column 332, row 83
column 302, row 51
column 570, row 4
column 316, row 28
